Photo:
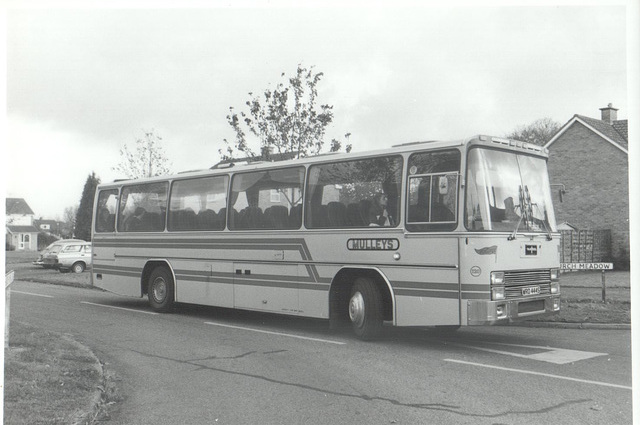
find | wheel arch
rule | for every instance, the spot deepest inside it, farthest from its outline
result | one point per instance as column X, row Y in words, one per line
column 340, row 292
column 148, row 268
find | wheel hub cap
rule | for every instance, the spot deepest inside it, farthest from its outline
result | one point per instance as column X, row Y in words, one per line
column 356, row 309
column 159, row 289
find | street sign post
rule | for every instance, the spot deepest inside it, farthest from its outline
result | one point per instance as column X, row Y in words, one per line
column 8, row 280
column 590, row 267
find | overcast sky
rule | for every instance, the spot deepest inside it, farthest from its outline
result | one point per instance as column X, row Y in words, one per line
column 82, row 83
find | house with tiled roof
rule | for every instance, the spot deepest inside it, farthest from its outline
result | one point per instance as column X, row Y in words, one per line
column 21, row 234
column 589, row 157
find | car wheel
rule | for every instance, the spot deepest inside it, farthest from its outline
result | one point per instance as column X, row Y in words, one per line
column 78, row 267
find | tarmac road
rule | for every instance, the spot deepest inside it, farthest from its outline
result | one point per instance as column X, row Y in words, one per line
column 207, row 365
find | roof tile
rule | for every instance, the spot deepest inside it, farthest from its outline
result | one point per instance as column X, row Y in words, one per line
column 17, row 206
column 609, row 130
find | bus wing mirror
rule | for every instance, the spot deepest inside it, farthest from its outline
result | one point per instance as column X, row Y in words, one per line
column 443, row 185
column 561, row 190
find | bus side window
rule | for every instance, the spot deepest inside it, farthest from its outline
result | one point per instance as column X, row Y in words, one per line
column 198, row 204
column 105, row 220
column 360, row 193
column 143, row 207
column 267, row 199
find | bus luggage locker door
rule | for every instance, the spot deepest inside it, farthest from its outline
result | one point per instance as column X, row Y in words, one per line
column 107, row 272
column 266, row 286
column 221, row 284
column 191, row 279
column 204, row 283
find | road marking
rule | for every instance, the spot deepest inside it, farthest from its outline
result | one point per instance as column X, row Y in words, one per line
column 548, row 375
column 547, row 354
column 30, row 293
column 276, row 333
column 118, row 308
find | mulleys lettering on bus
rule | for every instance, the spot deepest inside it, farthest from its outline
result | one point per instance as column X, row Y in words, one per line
column 373, row 244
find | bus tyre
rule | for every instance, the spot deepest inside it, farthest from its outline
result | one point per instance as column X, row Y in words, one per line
column 161, row 289
column 365, row 309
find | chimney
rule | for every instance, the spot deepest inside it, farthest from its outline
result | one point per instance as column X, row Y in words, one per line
column 609, row 114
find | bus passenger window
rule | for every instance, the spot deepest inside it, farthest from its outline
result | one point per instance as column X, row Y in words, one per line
column 143, row 207
column 198, row 204
column 268, row 199
column 106, row 211
column 360, row 193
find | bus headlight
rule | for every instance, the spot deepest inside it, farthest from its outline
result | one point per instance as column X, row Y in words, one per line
column 555, row 274
column 497, row 293
column 555, row 288
column 497, row 278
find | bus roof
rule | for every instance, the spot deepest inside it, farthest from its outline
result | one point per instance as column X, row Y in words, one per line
column 231, row 167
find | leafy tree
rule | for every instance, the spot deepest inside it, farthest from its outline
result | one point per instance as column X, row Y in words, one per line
column 538, row 132
column 285, row 120
column 148, row 159
column 85, row 210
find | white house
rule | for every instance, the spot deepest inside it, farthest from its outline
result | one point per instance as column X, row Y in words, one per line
column 21, row 234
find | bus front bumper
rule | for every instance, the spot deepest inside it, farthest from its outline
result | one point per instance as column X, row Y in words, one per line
column 482, row 312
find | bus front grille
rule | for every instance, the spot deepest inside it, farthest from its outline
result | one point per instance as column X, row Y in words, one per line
column 518, row 283
column 527, row 277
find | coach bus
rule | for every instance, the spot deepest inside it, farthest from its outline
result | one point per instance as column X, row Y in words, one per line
column 440, row 233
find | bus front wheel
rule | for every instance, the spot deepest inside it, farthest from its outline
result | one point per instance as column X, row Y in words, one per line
column 365, row 309
column 161, row 289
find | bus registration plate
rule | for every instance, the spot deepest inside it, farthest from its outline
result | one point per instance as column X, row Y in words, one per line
column 531, row 290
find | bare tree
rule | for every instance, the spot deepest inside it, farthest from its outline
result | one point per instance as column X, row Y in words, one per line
column 286, row 119
column 147, row 160
column 538, row 132
column 69, row 215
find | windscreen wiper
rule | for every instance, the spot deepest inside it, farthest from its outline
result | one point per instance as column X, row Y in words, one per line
column 544, row 223
column 512, row 236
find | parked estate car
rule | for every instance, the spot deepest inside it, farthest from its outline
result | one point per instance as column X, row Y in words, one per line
column 72, row 256
column 54, row 248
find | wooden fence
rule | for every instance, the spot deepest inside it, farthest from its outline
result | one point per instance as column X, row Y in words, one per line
column 585, row 246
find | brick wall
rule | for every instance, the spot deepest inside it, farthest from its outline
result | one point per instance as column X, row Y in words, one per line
column 595, row 174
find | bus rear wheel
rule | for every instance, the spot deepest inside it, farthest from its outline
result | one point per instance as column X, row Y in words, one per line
column 161, row 289
column 366, row 309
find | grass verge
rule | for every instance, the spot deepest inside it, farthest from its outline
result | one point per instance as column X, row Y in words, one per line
column 49, row 378
column 590, row 311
